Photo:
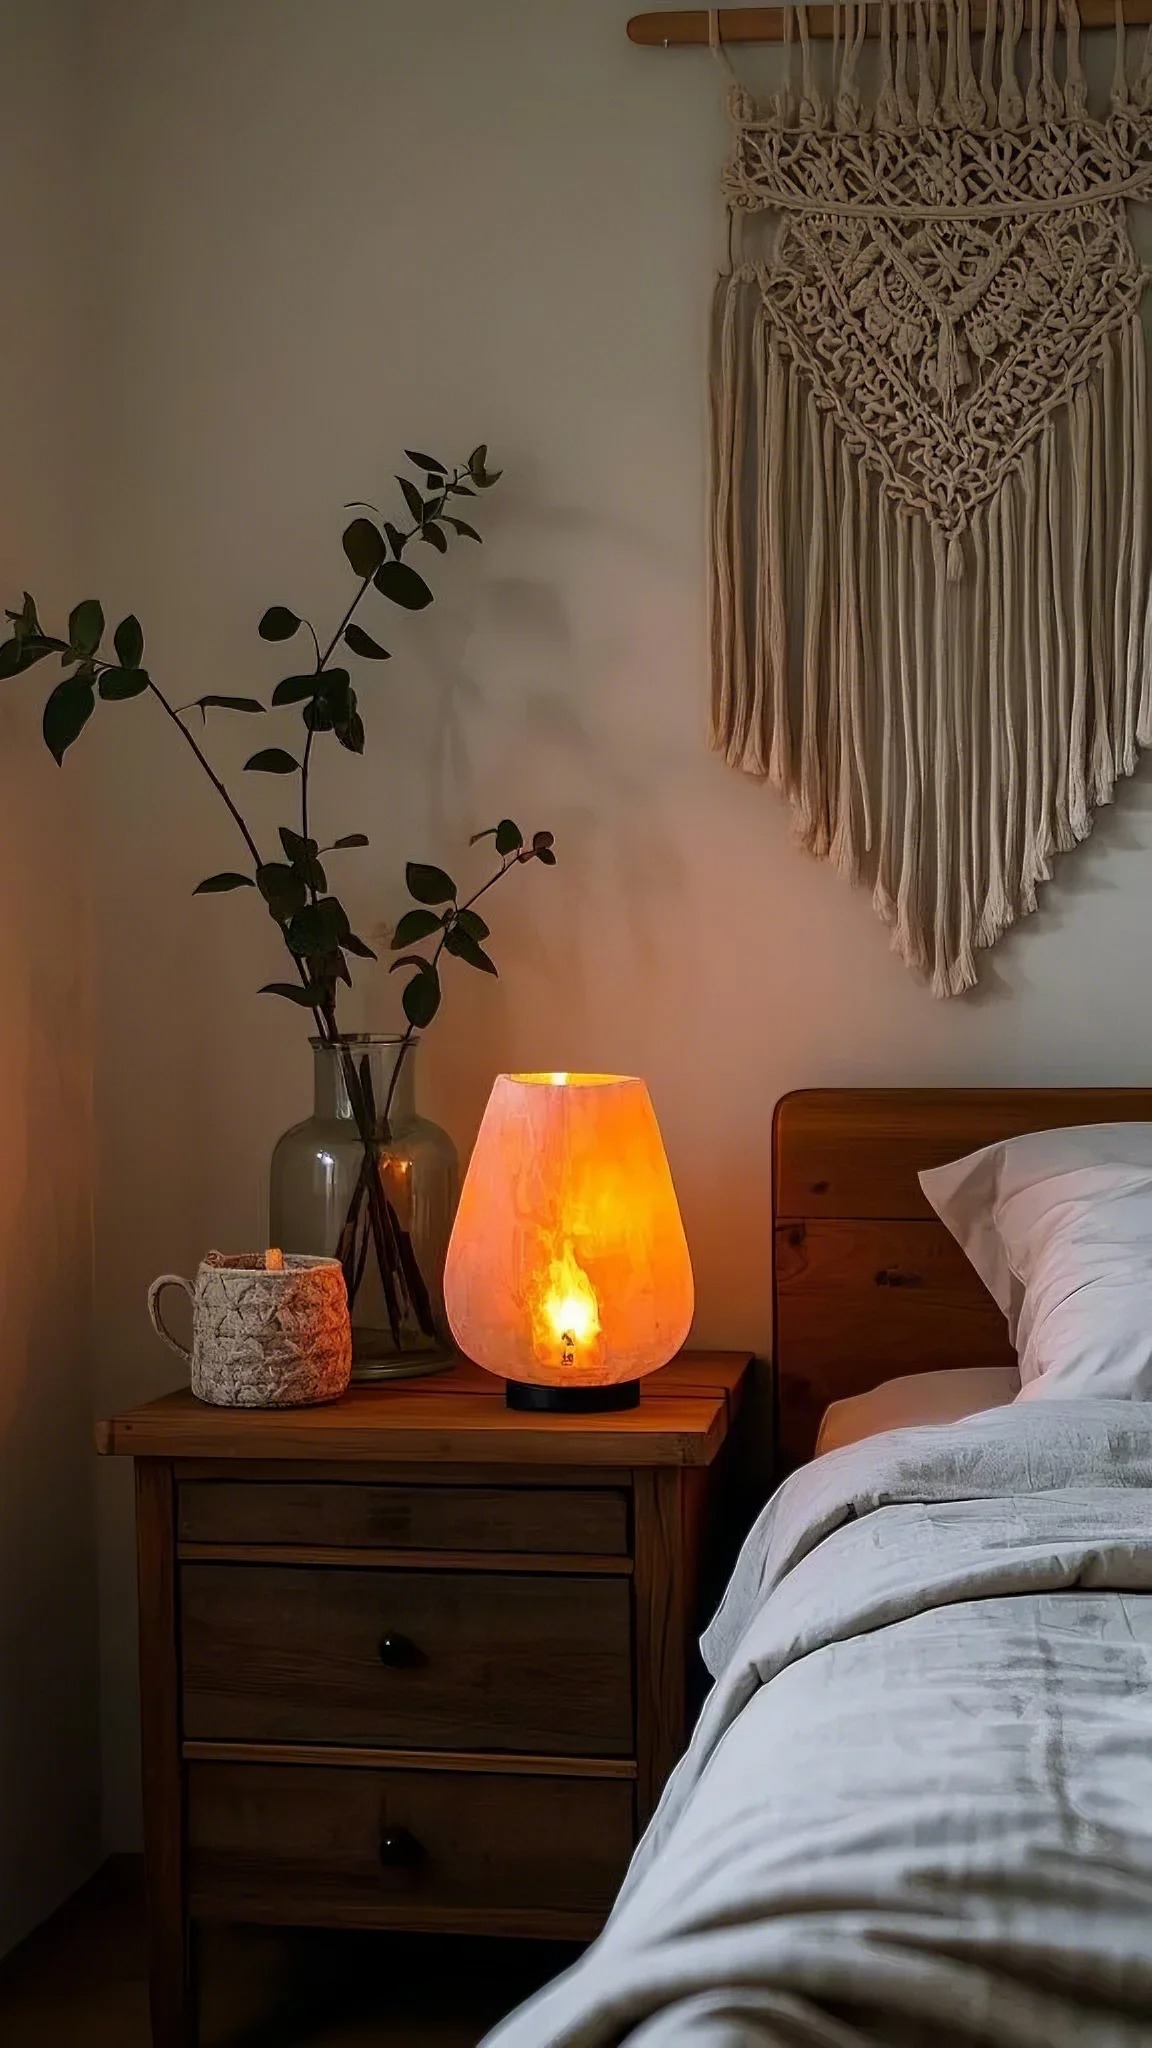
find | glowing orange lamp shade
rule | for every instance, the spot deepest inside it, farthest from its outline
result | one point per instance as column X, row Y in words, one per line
column 568, row 1271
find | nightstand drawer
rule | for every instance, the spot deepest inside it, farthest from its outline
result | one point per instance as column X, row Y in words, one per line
column 413, row 1660
column 327, row 1845
column 578, row 1521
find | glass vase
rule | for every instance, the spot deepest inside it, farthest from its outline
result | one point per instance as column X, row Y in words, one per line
column 367, row 1180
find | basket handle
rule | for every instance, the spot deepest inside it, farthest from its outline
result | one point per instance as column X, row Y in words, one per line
column 158, row 1323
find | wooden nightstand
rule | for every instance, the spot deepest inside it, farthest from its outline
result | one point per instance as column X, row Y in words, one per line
column 412, row 1661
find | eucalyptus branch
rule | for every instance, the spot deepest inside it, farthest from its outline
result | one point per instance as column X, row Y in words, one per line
column 312, row 921
column 217, row 782
column 458, row 930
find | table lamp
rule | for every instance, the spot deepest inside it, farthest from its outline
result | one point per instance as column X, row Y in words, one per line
column 568, row 1271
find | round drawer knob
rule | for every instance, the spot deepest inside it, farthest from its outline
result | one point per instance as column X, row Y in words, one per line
column 399, row 1850
column 399, row 1653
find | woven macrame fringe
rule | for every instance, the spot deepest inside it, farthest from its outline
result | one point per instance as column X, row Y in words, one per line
column 943, row 715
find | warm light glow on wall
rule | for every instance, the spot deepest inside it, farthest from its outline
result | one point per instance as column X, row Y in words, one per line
column 568, row 1265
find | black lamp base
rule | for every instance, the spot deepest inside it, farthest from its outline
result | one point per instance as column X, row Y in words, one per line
column 539, row 1400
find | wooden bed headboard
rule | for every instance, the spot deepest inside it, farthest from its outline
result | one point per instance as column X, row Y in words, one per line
column 867, row 1283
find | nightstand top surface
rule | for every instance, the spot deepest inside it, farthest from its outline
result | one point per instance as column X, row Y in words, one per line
column 454, row 1417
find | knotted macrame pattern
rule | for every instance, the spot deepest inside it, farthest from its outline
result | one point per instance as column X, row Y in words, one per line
column 930, row 517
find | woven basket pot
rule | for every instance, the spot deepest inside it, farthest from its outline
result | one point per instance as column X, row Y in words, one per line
column 263, row 1339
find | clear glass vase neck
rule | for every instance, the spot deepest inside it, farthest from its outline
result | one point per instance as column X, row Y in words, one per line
column 381, row 1053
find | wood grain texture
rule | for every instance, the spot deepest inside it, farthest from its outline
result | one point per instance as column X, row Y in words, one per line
column 861, row 1302
column 294, row 1655
column 501, row 1764
column 843, row 1152
column 661, row 1599
column 674, row 27
column 547, row 1699
column 170, row 1986
column 300, row 1844
column 372, row 1472
column 868, row 1284
column 395, row 1518
column 399, row 1560
column 438, row 1423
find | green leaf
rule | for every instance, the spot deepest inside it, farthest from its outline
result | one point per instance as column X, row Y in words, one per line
column 350, row 733
column 509, row 838
column 86, row 626
column 434, row 537
column 462, row 527
column 477, row 460
column 322, row 924
column 66, row 714
column 128, row 640
column 318, row 715
column 421, row 996
column 307, row 998
column 429, row 884
column 302, row 853
column 414, row 926
column 354, row 945
column 217, row 885
column 546, row 854
column 316, row 930
column 294, row 689
column 12, row 658
column 471, row 921
column 24, row 651
column 25, row 620
column 351, row 839
column 364, row 547
column 541, row 841
column 273, row 761
column 401, row 584
column 283, row 890
column 229, row 704
column 278, row 623
column 319, row 927
column 123, row 682
column 425, row 461
column 461, row 943
column 490, row 477
column 336, row 689
column 412, row 499
column 326, row 969
column 397, row 540
column 362, row 643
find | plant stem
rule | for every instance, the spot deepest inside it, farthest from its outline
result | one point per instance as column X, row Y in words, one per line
column 510, row 861
column 206, row 765
column 304, row 764
column 322, row 661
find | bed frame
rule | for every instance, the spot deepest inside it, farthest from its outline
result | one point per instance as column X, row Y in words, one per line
column 866, row 1282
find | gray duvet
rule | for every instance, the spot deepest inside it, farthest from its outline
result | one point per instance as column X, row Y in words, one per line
column 917, row 1807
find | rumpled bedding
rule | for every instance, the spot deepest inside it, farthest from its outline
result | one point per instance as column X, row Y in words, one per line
column 917, row 1807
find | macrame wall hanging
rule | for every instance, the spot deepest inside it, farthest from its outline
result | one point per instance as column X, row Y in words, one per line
column 930, row 519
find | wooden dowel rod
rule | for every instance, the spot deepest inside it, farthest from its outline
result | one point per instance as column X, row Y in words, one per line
column 680, row 26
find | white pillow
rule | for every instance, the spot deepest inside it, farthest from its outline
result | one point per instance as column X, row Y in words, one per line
column 914, row 1400
column 1058, row 1225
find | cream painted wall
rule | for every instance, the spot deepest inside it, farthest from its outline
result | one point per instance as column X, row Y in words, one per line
column 49, row 1759
column 325, row 231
